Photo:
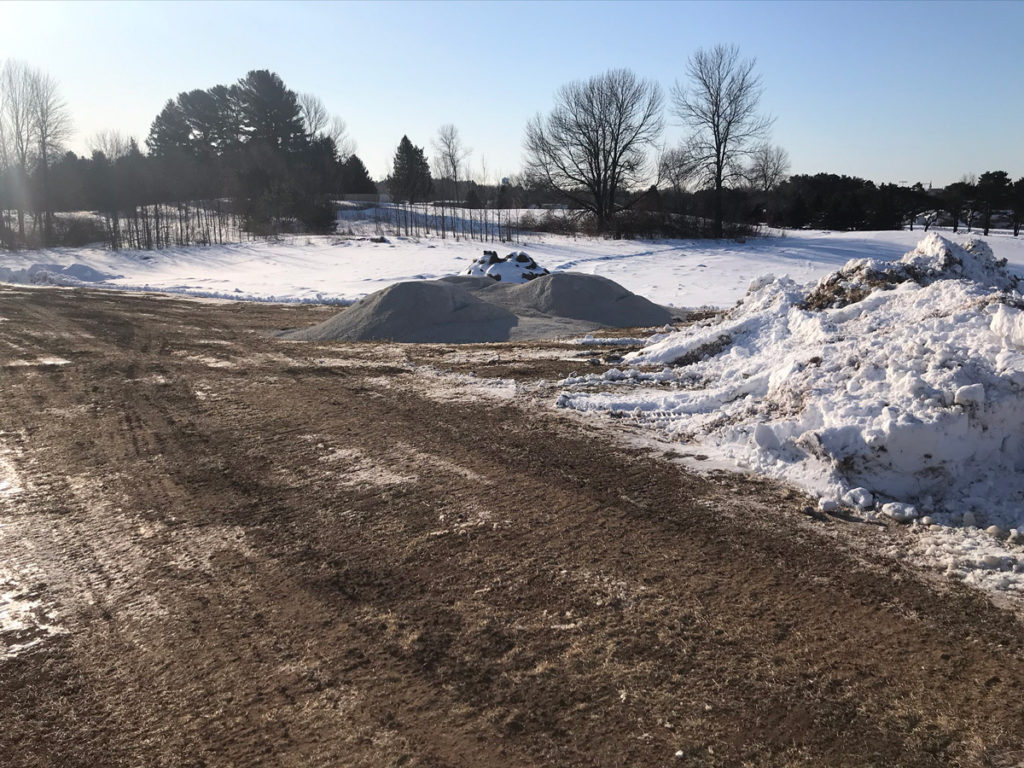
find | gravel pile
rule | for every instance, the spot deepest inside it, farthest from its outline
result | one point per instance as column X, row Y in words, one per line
column 464, row 309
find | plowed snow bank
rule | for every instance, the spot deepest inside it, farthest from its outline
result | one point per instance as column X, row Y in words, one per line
column 896, row 388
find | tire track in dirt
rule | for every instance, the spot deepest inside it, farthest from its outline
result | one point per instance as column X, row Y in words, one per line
column 134, row 433
column 794, row 581
column 284, row 562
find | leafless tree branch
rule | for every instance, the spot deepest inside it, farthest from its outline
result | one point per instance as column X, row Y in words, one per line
column 768, row 167
column 720, row 105
column 594, row 144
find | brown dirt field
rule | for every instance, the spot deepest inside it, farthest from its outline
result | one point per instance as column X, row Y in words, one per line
column 283, row 554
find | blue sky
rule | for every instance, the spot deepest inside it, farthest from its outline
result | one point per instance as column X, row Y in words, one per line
column 913, row 91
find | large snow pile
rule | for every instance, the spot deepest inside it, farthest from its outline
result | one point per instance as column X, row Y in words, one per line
column 517, row 267
column 892, row 387
column 463, row 309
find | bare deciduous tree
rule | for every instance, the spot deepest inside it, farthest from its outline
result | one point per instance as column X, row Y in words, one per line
column 450, row 155
column 677, row 167
column 768, row 167
column 52, row 127
column 720, row 105
column 320, row 123
column 338, row 132
column 34, row 123
column 595, row 142
column 18, row 132
column 314, row 114
column 5, row 164
column 111, row 143
column 485, row 176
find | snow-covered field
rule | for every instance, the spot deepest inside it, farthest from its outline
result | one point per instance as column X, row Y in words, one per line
column 894, row 389
column 682, row 273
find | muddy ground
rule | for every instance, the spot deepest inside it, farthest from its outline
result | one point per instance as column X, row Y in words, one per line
column 220, row 549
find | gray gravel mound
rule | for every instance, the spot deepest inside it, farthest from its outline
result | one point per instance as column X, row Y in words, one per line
column 580, row 297
column 470, row 282
column 463, row 309
column 420, row 311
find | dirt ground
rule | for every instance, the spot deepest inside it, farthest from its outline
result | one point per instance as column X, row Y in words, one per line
column 221, row 549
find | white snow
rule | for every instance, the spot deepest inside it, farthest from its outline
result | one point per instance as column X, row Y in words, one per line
column 517, row 267
column 979, row 558
column 41, row 361
column 341, row 269
column 25, row 619
column 10, row 483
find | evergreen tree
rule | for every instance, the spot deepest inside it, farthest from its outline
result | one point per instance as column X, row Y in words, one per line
column 1017, row 205
column 227, row 129
column 410, row 176
column 170, row 133
column 200, row 111
column 994, row 188
column 956, row 199
column 355, row 180
column 269, row 112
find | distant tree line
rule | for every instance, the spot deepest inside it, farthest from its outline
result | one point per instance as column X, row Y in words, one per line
column 255, row 158
column 818, row 201
column 593, row 152
column 829, row 201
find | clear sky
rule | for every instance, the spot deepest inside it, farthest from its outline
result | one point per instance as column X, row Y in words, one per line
column 890, row 91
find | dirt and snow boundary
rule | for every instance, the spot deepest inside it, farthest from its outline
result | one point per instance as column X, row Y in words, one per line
column 891, row 388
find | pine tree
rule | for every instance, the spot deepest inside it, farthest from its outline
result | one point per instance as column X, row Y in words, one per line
column 170, row 132
column 355, row 180
column 410, row 176
column 1017, row 206
column 227, row 130
column 994, row 188
column 270, row 112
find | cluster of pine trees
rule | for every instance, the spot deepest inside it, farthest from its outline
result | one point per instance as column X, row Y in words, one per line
column 258, row 143
column 252, row 157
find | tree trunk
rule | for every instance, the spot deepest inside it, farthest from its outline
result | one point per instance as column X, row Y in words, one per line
column 716, row 210
column 44, row 187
